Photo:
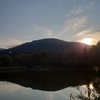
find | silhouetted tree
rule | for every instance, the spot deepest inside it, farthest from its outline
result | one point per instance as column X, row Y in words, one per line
column 5, row 60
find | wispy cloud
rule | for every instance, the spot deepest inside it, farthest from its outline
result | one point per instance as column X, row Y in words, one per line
column 89, row 33
column 95, row 37
column 73, row 24
column 79, row 9
column 46, row 32
column 84, row 32
column 89, row 5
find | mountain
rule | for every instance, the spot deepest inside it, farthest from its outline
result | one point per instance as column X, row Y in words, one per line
column 1, row 48
column 49, row 44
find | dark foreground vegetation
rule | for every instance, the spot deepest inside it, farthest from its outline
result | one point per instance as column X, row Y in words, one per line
column 85, row 59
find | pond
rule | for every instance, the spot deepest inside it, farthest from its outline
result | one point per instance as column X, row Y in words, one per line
column 44, row 85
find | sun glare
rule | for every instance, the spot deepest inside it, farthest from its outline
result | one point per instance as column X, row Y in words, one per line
column 87, row 41
column 91, row 86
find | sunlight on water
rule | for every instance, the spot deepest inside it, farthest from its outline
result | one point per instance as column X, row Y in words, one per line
column 91, row 86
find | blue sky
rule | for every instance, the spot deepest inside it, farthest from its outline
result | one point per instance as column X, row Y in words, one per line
column 27, row 20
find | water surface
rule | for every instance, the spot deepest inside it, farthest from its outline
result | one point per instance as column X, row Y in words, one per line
column 43, row 85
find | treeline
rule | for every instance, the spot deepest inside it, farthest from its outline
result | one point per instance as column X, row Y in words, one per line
column 45, row 59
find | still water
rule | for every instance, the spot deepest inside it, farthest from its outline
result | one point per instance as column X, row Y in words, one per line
column 36, row 85
column 10, row 91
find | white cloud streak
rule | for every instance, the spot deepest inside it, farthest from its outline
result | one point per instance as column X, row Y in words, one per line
column 79, row 9
column 73, row 24
column 46, row 32
column 83, row 32
column 74, row 11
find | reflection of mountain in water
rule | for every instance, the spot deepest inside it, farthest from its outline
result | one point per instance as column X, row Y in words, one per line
column 48, row 80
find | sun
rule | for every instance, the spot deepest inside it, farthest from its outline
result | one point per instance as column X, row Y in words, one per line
column 87, row 41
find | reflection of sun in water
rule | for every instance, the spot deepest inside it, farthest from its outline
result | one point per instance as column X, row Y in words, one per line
column 87, row 41
column 91, row 86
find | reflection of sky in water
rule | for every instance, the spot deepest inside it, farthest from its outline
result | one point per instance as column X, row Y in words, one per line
column 10, row 91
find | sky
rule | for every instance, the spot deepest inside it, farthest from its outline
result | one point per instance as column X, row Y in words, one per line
column 69, row 20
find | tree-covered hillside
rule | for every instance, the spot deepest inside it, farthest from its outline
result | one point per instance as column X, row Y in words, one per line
column 51, row 45
column 44, row 59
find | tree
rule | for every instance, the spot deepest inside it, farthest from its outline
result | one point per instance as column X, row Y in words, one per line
column 6, row 59
column 43, row 57
column 98, row 44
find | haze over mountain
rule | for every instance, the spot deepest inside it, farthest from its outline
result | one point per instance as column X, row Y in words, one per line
column 49, row 44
